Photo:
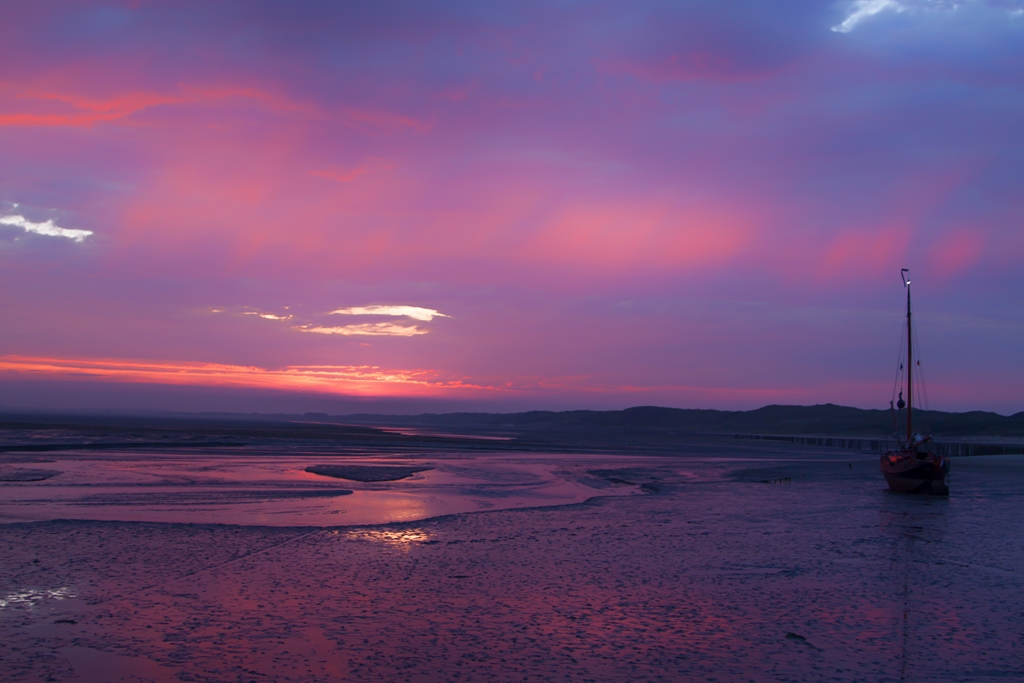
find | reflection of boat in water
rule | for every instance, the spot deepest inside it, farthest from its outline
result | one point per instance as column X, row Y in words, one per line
column 912, row 467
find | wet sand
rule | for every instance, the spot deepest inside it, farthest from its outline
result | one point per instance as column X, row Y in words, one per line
column 25, row 474
column 709, row 574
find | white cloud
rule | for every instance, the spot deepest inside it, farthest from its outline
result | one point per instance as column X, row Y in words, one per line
column 48, row 228
column 414, row 312
column 862, row 9
column 859, row 10
column 265, row 316
column 368, row 329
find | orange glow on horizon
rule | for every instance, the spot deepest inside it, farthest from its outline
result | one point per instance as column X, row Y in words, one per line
column 359, row 380
column 355, row 380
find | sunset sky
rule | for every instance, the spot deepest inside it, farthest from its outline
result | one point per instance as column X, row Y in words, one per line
column 505, row 206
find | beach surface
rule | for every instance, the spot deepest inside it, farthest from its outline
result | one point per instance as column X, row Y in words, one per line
column 721, row 563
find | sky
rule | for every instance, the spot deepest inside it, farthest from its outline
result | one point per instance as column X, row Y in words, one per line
column 414, row 206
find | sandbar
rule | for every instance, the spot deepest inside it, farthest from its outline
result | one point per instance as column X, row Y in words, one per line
column 366, row 473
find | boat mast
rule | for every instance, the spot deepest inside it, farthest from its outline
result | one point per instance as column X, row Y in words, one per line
column 910, row 361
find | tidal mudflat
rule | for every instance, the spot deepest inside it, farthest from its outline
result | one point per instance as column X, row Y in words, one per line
column 760, row 564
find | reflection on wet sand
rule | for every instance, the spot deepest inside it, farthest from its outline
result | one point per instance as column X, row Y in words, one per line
column 283, row 490
column 395, row 538
column 31, row 596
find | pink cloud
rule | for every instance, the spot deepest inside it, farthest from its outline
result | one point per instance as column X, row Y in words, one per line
column 955, row 253
column 637, row 234
column 340, row 175
column 371, row 120
column 856, row 254
column 74, row 110
column 86, row 111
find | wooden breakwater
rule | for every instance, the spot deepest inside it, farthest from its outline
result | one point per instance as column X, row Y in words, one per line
column 950, row 448
column 944, row 448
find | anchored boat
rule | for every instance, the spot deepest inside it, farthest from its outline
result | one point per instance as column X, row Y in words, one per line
column 912, row 467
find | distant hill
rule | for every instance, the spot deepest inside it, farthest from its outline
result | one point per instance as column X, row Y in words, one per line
column 573, row 425
column 827, row 419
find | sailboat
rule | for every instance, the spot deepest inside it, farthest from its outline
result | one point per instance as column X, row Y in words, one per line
column 913, row 467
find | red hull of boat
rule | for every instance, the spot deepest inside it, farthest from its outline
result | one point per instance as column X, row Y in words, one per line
column 911, row 472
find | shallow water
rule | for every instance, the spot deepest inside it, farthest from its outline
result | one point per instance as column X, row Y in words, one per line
column 265, row 490
column 709, row 575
